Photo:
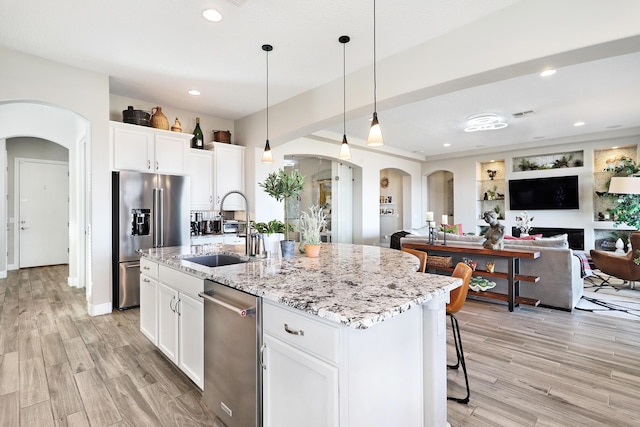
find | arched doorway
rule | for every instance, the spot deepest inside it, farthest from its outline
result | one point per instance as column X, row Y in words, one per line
column 70, row 130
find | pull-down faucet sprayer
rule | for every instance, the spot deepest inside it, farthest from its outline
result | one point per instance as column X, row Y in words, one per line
column 248, row 229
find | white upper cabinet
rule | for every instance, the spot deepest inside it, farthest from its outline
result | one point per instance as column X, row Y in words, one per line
column 228, row 175
column 147, row 149
column 200, row 168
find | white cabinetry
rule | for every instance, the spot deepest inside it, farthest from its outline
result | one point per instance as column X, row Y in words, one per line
column 318, row 373
column 149, row 300
column 180, row 320
column 200, row 168
column 148, row 150
column 228, row 175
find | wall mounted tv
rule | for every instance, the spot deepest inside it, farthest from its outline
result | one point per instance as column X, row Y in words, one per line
column 544, row 193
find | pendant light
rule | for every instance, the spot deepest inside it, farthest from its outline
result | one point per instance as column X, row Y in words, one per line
column 345, row 153
column 267, row 157
column 375, row 133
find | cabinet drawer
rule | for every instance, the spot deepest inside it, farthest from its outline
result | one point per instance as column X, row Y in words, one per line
column 180, row 281
column 149, row 268
column 314, row 336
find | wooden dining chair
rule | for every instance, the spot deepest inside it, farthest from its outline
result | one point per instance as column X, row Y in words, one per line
column 422, row 256
column 456, row 300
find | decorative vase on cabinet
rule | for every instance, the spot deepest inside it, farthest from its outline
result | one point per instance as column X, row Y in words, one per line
column 158, row 119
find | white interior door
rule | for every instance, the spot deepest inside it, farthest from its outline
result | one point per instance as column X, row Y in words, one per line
column 43, row 213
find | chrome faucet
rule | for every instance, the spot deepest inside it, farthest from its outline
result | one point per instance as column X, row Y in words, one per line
column 248, row 229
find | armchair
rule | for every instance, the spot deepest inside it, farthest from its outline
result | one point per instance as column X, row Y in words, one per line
column 618, row 266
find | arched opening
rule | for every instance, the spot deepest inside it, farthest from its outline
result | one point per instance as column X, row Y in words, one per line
column 440, row 196
column 70, row 130
column 395, row 203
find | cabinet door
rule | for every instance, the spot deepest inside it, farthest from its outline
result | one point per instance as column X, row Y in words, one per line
column 132, row 149
column 169, row 154
column 229, row 175
column 298, row 389
column 168, row 322
column 149, row 308
column 191, row 338
column 200, row 168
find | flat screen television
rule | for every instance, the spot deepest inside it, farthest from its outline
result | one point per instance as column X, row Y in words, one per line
column 544, row 193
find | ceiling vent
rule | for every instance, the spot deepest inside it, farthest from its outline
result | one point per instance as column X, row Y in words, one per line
column 524, row 114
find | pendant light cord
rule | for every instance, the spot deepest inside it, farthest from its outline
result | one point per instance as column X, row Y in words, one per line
column 375, row 79
column 344, row 88
column 267, row 95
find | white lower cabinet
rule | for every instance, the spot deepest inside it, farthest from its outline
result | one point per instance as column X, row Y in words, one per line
column 299, row 389
column 180, row 319
column 191, row 337
column 149, row 300
column 320, row 373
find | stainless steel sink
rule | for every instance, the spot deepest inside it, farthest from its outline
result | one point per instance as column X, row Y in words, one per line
column 217, row 260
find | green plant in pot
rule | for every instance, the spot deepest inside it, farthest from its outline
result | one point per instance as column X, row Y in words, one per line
column 282, row 187
column 273, row 233
column 311, row 224
column 627, row 208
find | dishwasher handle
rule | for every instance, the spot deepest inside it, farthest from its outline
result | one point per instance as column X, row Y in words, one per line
column 242, row 312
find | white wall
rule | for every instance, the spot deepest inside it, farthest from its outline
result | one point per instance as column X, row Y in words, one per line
column 465, row 197
column 366, row 201
column 28, row 78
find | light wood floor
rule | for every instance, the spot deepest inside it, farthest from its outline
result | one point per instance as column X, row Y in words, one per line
column 532, row 367
column 60, row 367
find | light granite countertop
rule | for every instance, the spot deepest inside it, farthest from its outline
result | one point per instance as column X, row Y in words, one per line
column 354, row 285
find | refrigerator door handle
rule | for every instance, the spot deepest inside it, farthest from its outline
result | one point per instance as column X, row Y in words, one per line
column 158, row 217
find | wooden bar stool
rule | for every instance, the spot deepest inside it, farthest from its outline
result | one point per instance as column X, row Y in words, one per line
column 422, row 256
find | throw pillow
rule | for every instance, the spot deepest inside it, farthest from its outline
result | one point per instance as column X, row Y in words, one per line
column 530, row 237
column 453, row 229
column 422, row 231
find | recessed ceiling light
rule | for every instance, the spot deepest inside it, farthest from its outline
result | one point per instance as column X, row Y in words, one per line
column 492, row 161
column 447, row 145
column 578, row 124
column 614, row 147
column 194, row 92
column 547, row 73
column 212, row 15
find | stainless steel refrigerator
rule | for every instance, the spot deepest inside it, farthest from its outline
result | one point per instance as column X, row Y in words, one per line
column 149, row 210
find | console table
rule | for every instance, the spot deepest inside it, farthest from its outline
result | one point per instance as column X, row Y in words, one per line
column 512, row 274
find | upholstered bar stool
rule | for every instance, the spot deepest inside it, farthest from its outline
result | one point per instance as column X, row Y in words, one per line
column 422, row 256
column 457, row 298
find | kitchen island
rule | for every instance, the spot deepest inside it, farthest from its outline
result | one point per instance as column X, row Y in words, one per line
column 383, row 344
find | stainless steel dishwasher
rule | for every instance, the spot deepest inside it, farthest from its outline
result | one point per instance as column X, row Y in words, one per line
column 232, row 343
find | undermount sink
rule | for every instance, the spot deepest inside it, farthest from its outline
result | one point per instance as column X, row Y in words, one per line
column 217, row 260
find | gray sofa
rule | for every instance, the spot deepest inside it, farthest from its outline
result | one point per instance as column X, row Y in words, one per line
column 560, row 285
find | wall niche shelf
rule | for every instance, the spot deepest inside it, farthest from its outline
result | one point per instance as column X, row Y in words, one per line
column 604, row 162
column 571, row 159
column 491, row 188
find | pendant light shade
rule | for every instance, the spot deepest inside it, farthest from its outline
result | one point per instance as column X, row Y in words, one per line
column 267, row 157
column 375, row 133
column 345, row 152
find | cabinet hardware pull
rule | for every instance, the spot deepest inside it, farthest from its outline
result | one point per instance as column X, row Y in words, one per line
column 172, row 309
column 148, row 164
column 178, row 302
column 157, row 167
column 146, row 280
column 145, row 267
column 262, row 349
column 292, row 331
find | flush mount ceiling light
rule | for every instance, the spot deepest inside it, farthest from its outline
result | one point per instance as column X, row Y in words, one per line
column 485, row 122
column 194, row 92
column 267, row 157
column 212, row 15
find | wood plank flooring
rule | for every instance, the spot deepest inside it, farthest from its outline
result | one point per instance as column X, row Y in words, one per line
column 61, row 367
column 531, row 367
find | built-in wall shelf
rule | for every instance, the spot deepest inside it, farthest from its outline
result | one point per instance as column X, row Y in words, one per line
column 491, row 188
column 571, row 159
column 605, row 162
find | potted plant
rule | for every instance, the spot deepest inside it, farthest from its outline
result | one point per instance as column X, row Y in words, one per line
column 282, row 187
column 311, row 223
column 273, row 233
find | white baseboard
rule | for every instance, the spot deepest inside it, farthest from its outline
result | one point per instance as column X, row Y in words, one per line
column 73, row 282
column 100, row 309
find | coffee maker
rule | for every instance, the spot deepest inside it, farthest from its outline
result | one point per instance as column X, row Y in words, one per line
column 196, row 223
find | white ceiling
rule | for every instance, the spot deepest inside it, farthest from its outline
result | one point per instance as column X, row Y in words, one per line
column 155, row 50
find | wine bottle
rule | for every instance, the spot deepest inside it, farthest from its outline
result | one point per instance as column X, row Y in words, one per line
column 198, row 139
